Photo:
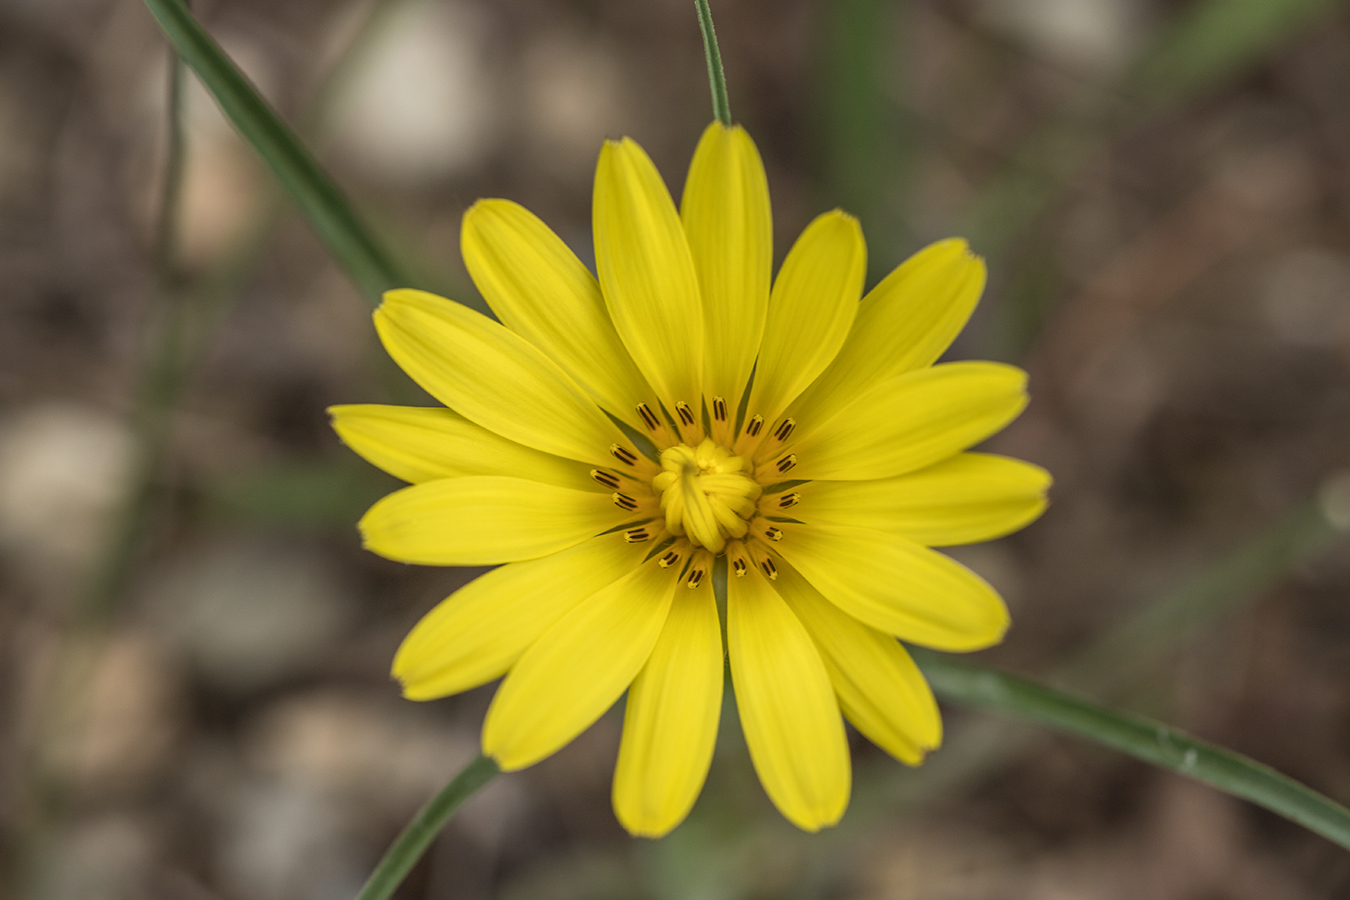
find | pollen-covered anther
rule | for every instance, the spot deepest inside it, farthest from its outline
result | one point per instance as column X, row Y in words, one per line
column 719, row 409
column 784, row 430
column 637, row 535
column 762, row 558
column 699, row 566
column 607, row 479
column 706, row 493
column 738, row 558
column 648, row 417
column 786, row 464
column 789, row 500
column 640, row 501
column 669, row 558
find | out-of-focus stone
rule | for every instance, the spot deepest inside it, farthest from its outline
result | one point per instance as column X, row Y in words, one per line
column 385, row 752
column 107, row 858
column 123, row 727
column 374, row 753
column 573, row 98
column 1092, row 36
column 63, row 469
column 420, row 106
column 247, row 613
column 287, row 841
column 1306, row 297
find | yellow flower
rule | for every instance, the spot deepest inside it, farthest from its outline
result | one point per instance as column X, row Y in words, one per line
column 824, row 484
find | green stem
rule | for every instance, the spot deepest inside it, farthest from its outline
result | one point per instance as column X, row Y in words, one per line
column 322, row 203
column 1140, row 737
column 403, row 854
column 159, row 384
column 717, row 79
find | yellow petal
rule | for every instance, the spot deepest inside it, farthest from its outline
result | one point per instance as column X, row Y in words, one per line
column 968, row 498
column 880, row 689
column 418, row 444
column 479, row 631
column 726, row 216
column 670, row 724
column 493, row 376
column 483, row 520
column 897, row 586
column 904, row 323
column 787, row 706
column 812, row 307
column 910, row 422
column 647, row 273
column 542, row 292
column 578, row 668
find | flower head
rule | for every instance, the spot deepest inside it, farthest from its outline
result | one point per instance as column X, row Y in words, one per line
column 607, row 443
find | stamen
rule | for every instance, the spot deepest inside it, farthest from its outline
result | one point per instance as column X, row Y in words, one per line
column 648, row 417
column 637, row 535
column 623, row 455
column 695, row 578
column 754, row 426
column 786, row 463
column 685, row 413
column 785, row 429
column 606, row 479
column 670, row 559
column 623, row 501
column 738, row 558
column 759, row 551
column 773, row 534
column 719, row 409
column 789, row 500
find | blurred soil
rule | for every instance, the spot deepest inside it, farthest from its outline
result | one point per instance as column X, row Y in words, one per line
column 1170, row 258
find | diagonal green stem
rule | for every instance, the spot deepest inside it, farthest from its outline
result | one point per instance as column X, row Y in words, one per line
column 717, row 79
column 323, row 204
column 403, row 854
column 1140, row 737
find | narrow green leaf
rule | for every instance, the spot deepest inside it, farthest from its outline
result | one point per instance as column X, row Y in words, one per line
column 1140, row 737
column 323, row 204
column 1211, row 40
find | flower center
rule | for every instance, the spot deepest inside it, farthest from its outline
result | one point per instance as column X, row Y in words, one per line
column 706, row 493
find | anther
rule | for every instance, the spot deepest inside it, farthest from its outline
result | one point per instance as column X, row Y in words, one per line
column 685, row 413
column 755, row 426
column 606, row 479
column 648, row 417
column 623, row 455
column 623, row 501
column 789, row 500
column 695, row 578
column 785, row 429
column 769, row 568
column 773, row 534
column 786, row 463
column 719, row 409
column 637, row 535
column 738, row 566
column 670, row 559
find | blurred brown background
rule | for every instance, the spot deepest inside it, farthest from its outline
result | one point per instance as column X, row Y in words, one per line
column 193, row 691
